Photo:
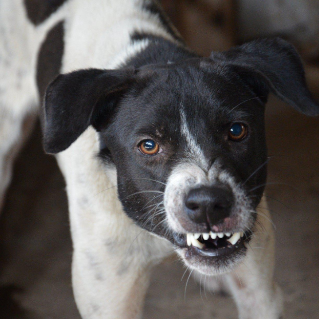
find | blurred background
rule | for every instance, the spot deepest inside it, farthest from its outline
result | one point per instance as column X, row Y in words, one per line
column 35, row 245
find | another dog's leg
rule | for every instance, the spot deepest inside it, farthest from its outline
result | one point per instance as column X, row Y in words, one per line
column 18, row 94
column 14, row 129
column 256, row 294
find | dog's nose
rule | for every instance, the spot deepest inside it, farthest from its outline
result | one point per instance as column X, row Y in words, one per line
column 210, row 204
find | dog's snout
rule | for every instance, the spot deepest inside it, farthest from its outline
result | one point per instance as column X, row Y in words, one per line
column 209, row 204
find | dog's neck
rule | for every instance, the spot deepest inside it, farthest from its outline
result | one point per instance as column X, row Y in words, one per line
column 157, row 51
column 119, row 30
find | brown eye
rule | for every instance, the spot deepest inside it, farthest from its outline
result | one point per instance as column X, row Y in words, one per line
column 149, row 147
column 237, row 132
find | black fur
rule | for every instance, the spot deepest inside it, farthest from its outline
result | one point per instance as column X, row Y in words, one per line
column 39, row 10
column 92, row 92
column 50, row 58
column 275, row 64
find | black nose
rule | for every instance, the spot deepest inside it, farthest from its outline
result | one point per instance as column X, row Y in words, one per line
column 209, row 204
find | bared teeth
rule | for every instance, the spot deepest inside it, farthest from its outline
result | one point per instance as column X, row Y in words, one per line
column 196, row 243
column 213, row 235
column 189, row 240
column 234, row 239
column 196, row 236
column 205, row 236
column 192, row 239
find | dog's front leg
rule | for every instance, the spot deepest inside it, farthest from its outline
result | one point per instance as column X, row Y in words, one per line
column 256, row 294
column 112, row 261
column 106, row 289
column 112, row 257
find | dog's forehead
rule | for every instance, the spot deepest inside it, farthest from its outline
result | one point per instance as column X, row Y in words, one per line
column 186, row 90
column 197, row 81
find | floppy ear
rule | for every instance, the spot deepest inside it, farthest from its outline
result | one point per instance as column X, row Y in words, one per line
column 76, row 100
column 272, row 64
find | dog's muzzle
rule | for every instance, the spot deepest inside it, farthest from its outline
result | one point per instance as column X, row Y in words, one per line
column 210, row 219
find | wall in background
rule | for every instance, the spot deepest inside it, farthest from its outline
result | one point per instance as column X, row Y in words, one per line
column 295, row 18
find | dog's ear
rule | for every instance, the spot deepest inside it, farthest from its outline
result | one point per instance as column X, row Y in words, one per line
column 271, row 64
column 76, row 100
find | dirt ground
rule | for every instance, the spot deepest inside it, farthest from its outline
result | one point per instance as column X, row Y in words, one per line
column 36, row 247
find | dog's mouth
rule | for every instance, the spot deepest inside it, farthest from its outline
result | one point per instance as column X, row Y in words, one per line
column 215, row 244
column 212, row 249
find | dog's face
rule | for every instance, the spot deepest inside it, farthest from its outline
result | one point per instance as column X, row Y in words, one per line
column 188, row 143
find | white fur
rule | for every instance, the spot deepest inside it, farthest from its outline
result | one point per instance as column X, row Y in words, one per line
column 195, row 152
column 112, row 256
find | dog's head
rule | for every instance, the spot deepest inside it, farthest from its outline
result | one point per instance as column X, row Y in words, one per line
column 187, row 140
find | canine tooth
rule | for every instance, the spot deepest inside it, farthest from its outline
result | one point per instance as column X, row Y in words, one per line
column 205, row 236
column 196, row 236
column 241, row 234
column 234, row 239
column 189, row 239
column 213, row 235
column 196, row 243
column 220, row 235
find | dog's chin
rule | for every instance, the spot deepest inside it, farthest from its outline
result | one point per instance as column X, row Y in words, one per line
column 212, row 259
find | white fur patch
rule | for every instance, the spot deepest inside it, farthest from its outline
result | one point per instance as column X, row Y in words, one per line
column 98, row 32
column 196, row 153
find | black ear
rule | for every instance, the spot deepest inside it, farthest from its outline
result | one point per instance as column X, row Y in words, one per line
column 76, row 100
column 272, row 64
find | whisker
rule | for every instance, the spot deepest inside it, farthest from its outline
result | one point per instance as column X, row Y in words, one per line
column 143, row 192
column 253, row 98
column 184, row 273
column 152, row 200
column 187, row 283
column 260, row 167
column 149, row 179
column 278, row 201
column 267, row 218
column 271, row 183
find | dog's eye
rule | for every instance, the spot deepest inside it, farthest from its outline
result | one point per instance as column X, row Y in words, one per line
column 237, row 132
column 149, row 147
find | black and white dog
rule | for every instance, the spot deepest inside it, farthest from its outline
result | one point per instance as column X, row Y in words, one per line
column 162, row 150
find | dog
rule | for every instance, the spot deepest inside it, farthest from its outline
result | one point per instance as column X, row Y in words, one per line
column 163, row 151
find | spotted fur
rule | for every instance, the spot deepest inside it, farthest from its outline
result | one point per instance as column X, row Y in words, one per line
column 130, row 75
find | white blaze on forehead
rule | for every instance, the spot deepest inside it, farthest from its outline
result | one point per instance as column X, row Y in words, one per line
column 195, row 151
